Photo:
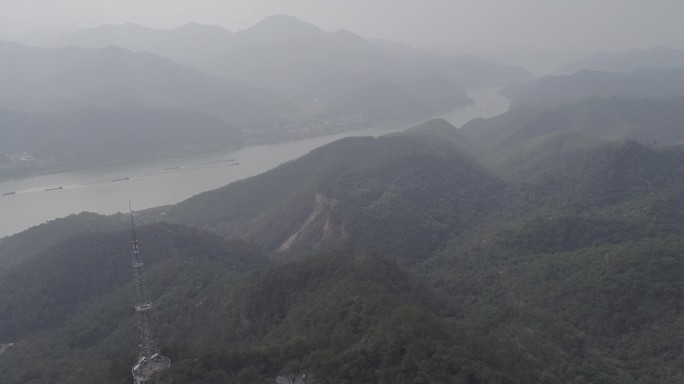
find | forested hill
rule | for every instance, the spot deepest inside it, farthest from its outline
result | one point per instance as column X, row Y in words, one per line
column 406, row 193
column 399, row 259
column 32, row 242
column 566, row 251
column 76, row 297
column 64, row 79
column 99, row 135
column 558, row 90
column 527, row 140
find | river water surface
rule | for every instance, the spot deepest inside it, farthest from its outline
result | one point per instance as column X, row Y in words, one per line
column 147, row 184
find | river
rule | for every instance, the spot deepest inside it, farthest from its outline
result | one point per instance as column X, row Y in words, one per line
column 108, row 189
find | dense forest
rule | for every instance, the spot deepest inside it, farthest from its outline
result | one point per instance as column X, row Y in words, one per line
column 540, row 246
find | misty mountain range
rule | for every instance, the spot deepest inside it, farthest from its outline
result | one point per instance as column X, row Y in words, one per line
column 269, row 82
column 283, row 78
column 294, row 58
column 48, row 80
column 191, row 44
column 558, row 90
column 626, row 61
column 543, row 245
column 99, row 135
column 273, row 81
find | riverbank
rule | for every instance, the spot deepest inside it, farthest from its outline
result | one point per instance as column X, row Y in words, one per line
column 166, row 181
column 9, row 174
column 457, row 117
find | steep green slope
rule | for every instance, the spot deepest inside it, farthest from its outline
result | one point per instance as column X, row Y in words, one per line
column 72, row 306
column 84, row 266
column 34, row 241
column 404, row 193
column 606, row 288
column 357, row 317
column 567, row 272
column 609, row 174
column 346, row 316
column 586, row 254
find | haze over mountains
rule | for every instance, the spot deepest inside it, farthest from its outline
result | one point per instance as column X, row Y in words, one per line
column 298, row 60
column 558, row 90
column 543, row 245
column 96, row 135
column 47, row 80
column 181, row 44
column 284, row 45
column 281, row 79
column 626, row 61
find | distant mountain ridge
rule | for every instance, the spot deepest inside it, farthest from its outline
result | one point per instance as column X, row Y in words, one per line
column 181, row 44
column 98, row 135
column 294, row 58
column 281, row 78
column 45, row 80
column 554, row 91
column 627, row 61
column 526, row 140
column 188, row 44
column 275, row 29
column 654, row 120
column 62, row 81
column 321, row 66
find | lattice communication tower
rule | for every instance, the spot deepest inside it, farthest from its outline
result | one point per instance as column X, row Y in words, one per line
column 150, row 361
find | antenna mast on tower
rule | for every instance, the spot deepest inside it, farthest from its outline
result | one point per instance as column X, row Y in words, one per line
column 150, row 361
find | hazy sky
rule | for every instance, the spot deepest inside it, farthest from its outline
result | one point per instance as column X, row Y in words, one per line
column 564, row 24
